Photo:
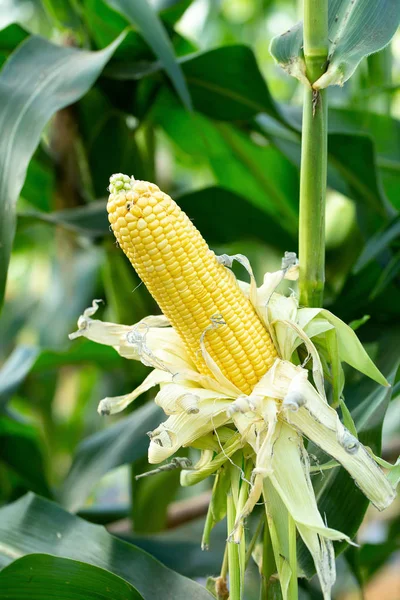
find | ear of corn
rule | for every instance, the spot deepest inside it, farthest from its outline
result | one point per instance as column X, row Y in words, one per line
column 189, row 284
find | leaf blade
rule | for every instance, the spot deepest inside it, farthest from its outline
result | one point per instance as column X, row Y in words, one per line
column 43, row 577
column 29, row 102
column 15, row 369
column 356, row 29
column 141, row 14
column 23, row 522
column 107, row 450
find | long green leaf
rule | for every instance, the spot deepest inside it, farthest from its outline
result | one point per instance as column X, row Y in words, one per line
column 385, row 132
column 39, row 79
column 15, row 369
column 352, row 163
column 33, row 524
column 44, row 577
column 258, row 173
column 140, row 13
column 357, row 28
column 377, row 244
column 199, row 205
column 91, row 220
column 122, row 443
column 180, row 548
column 20, row 449
column 224, row 83
column 79, row 353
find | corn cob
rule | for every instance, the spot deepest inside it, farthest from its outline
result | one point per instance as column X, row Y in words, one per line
column 190, row 286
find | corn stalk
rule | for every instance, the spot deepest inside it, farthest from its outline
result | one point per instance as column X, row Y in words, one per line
column 313, row 157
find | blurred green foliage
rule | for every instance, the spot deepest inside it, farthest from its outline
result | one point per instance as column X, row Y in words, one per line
column 104, row 90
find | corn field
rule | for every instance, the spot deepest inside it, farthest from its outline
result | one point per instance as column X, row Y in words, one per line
column 200, row 299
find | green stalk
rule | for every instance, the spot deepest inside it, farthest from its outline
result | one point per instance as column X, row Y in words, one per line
column 268, row 567
column 313, row 157
column 224, row 567
column 253, row 541
column 293, row 591
column 233, row 552
column 243, row 495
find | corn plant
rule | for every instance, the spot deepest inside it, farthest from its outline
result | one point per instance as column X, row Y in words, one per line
column 267, row 399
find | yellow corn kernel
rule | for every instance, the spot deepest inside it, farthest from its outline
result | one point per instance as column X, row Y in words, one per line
column 191, row 287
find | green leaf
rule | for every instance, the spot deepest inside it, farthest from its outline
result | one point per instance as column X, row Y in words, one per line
column 15, row 369
column 21, row 450
column 224, row 83
column 119, row 444
column 384, row 130
column 258, row 173
column 357, row 323
column 394, row 470
column 367, row 404
column 104, row 514
column 140, row 13
column 171, row 10
column 128, row 300
column 356, row 29
column 356, row 297
column 353, row 156
column 352, row 351
column 90, row 220
column 199, row 205
column 352, row 163
column 80, row 352
column 180, row 548
column 151, row 497
column 10, row 38
column 64, row 13
column 28, row 104
column 35, row 524
column 44, row 577
column 391, row 271
column 67, row 295
column 287, row 51
column 217, row 508
column 377, row 244
column 38, row 188
column 348, row 419
column 105, row 24
column 112, row 149
column 373, row 557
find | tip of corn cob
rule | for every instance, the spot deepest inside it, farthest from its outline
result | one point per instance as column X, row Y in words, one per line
column 120, row 182
column 130, row 208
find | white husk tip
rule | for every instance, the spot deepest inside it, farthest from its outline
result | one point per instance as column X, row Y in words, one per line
column 112, row 406
column 290, row 264
column 84, row 319
column 320, row 423
column 240, row 405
